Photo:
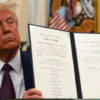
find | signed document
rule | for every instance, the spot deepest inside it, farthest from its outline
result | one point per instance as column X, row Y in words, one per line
column 65, row 65
column 52, row 62
column 88, row 55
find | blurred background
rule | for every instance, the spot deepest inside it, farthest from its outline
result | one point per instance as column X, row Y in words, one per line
column 68, row 15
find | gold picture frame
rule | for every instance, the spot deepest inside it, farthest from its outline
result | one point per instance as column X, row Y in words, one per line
column 97, row 16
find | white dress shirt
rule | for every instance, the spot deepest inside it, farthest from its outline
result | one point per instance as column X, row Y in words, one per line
column 16, row 75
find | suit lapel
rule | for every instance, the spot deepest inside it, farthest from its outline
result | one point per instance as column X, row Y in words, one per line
column 27, row 69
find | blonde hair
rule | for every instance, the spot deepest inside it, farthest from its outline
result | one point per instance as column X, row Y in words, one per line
column 11, row 8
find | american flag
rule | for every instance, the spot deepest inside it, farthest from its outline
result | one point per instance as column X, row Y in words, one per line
column 58, row 21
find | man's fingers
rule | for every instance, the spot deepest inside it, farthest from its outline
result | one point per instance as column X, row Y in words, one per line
column 33, row 92
column 34, row 97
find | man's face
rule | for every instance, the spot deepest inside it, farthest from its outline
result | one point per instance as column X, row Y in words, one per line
column 9, row 36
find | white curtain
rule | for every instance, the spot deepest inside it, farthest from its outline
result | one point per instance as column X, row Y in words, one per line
column 39, row 12
column 4, row 1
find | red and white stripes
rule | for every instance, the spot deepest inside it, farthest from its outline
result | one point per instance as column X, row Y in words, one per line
column 58, row 22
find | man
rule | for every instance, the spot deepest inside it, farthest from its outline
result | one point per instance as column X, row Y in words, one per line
column 15, row 66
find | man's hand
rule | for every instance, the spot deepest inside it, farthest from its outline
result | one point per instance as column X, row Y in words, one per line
column 32, row 94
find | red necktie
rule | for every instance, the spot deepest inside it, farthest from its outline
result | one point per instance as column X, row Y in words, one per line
column 7, row 88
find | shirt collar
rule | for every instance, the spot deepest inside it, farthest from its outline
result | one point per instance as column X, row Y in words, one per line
column 15, row 63
column 1, row 64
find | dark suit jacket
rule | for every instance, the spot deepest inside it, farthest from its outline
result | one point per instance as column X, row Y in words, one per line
column 27, row 69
